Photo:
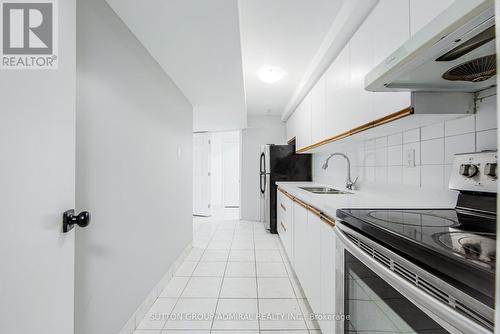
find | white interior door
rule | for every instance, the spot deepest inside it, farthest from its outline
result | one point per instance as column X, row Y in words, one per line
column 201, row 174
column 37, row 184
column 231, row 174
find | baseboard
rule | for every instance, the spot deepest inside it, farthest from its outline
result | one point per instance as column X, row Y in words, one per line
column 141, row 311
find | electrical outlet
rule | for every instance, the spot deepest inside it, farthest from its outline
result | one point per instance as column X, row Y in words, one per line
column 410, row 158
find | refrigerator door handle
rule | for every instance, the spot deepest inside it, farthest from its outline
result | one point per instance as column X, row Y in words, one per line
column 263, row 185
column 263, row 173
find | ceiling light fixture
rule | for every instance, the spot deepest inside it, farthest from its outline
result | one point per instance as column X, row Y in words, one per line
column 271, row 75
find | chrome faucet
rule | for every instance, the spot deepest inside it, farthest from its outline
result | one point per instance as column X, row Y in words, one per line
column 349, row 184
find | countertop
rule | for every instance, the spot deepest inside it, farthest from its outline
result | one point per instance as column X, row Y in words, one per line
column 368, row 199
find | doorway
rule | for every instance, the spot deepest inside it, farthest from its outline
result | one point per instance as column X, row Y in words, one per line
column 216, row 174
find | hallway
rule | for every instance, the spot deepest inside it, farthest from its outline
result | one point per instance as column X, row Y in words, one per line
column 236, row 270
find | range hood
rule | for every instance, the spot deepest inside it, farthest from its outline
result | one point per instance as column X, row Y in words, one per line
column 454, row 52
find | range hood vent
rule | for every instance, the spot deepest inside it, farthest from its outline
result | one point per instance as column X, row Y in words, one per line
column 455, row 52
column 476, row 70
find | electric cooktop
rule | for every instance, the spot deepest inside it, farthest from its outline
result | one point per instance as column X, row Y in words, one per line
column 456, row 245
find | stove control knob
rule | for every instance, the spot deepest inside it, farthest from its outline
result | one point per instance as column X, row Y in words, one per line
column 468, row 170
column 490, row 169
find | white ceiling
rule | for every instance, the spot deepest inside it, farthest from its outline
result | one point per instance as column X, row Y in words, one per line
column 213, row 50
column 197, row 43
column 283, row 33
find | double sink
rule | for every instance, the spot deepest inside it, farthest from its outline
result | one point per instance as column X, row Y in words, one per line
column 325, row 191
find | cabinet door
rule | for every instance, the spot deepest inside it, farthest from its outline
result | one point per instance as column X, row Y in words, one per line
column 288, row 203
column 318, row 108
column 388, row 36
column 327, row 305
column 312, row 284
column 281, row 219
column 304, row 123
column 361, row 55
column 337, row 89
column 300, row 245
column 291, row 126
column 423, row 11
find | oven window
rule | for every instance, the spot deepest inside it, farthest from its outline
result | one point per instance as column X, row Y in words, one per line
column 375, row 307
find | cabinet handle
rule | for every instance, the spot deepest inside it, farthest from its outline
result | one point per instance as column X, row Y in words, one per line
column 282, row 206
column 283, row 226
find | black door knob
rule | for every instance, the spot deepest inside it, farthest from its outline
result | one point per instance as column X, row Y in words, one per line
column 69, row 220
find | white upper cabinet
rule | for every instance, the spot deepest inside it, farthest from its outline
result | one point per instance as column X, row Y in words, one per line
column 337, row 93
column 304, row 123
column 318, row 111
column 339, row 101
column 423, row 11
column 388, row 36
column 291, row 127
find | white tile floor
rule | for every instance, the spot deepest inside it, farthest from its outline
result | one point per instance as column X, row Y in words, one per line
column 235, row 271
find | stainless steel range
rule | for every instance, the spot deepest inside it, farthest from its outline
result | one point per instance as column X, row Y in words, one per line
column 423, row 271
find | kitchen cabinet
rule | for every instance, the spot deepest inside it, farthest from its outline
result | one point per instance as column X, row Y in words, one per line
column 291, row 127
column 337, row 93
column 318, row 111
column 420, row 15
column 312, row 280
column 285, row 224
column 314, row 253
column 339, row 102
column 303, row 123
column 300, row 242
column 327, row 284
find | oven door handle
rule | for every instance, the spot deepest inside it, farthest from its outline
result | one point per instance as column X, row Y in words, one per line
column 451, row 320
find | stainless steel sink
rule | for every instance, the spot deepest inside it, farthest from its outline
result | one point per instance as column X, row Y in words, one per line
column 325, row 190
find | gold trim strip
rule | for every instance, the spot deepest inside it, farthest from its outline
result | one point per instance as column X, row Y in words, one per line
column 328, row 220
column 380, row 121
column 315, row 211
column 306, row 206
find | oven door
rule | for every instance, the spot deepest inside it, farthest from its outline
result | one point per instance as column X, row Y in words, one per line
column 374, row 299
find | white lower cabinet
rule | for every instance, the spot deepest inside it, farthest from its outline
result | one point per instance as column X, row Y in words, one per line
column 327, row 302
column 300, row 243
column 312, row 285
column 313, row 249
column 285, row 224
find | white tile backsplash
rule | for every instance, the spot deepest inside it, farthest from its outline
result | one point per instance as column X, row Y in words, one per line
column 412, row 146
column 411, row 136
column 432, row 151
column 486, row 140
column 395, row 175
column 432, row 176
column 382, row 160
column 411, row 176
column 381, row 157
column 460, row 125
column 486, row 119
column 395, row 139
column 458, row 144
column 432, row 131
column 395, row 155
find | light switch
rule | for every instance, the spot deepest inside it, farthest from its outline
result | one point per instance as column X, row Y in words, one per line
column 410, row 158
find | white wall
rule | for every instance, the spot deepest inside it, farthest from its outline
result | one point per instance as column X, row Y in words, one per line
column 380, row 161
column 131, row 122
column 261, row 130
column 223, row 143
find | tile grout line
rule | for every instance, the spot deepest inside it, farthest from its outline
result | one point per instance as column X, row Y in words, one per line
column 221, row 284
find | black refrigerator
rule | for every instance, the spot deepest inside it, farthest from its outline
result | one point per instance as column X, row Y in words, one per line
column 279, row 163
